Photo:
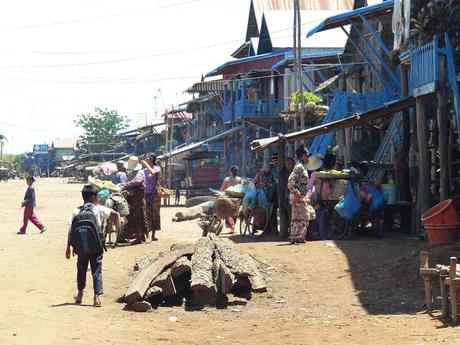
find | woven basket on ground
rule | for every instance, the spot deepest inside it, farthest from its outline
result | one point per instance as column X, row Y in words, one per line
column 225, row 207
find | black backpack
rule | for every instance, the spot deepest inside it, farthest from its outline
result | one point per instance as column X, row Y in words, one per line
column 85, row 235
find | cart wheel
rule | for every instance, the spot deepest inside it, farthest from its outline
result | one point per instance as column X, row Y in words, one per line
column 260, row 213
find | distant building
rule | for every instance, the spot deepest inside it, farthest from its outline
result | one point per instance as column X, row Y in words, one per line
column 61, row 150
column 41, row 157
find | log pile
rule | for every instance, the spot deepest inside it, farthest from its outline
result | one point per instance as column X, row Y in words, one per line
column 200, row 275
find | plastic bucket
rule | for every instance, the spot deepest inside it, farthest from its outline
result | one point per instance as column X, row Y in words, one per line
column 442, row 213
column 389, row 193
column 442, row 234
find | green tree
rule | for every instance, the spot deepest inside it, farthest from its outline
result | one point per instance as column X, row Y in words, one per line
column 3, row 140
column 100, row 129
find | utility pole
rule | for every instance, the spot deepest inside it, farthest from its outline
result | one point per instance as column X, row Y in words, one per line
column 295, row 59
column 299, row 64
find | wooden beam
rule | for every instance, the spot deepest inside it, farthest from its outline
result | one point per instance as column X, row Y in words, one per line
column 283, row 233
column 423, row 195
column 141, row 283
column 443, row 135
column 453, row 289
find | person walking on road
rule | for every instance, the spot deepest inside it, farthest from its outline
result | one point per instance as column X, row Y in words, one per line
column 29, row 204
column 99, row 213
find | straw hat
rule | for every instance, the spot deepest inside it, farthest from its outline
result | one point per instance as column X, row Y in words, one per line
column 314, row 162
column 133, row 163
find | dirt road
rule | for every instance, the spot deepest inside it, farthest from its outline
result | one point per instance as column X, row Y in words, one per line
column 364, row 291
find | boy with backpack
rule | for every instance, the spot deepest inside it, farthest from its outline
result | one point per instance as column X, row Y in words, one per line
column 87, row 240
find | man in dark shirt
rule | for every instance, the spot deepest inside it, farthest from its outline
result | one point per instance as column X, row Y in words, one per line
column 29, row 204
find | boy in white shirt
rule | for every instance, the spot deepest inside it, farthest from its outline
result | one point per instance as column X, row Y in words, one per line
column 101, row 213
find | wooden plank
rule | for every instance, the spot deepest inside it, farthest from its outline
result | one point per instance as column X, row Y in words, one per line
column 181, row 266
column 201, row 281
column 141, row 283
column 423, row 198
column 231, row 259
column 256, row 279
column 141, row 306
column 152, row 292
column 161, row 279
column 453, row 289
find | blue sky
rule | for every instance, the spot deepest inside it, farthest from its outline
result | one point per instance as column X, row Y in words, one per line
column 60, row 58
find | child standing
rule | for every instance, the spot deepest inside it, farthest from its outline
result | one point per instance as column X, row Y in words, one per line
column 29, row 204
column 99, row 214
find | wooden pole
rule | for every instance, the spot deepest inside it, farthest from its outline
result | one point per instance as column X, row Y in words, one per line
column 281, row 192
column 404, row 178
column 423, row 195
column 426, row 281
column 243, row 150
column 453, row 289
column 443, row 135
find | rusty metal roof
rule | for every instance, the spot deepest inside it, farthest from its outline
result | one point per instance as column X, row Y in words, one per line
column 305, row 5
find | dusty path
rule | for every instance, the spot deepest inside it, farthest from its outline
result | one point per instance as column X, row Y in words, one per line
column 356, row 292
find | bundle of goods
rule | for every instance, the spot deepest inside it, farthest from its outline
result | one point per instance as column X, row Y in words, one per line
column 101, row 184
column 237, row 191
column 201, row 274
column 331, row 189
column 225, row 207
column 255, row 198
column 334, row 174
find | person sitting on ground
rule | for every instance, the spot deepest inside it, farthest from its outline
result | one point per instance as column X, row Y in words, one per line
column 101, row 213
column 232, row 180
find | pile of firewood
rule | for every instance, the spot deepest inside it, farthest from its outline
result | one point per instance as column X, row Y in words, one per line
column 199, row 275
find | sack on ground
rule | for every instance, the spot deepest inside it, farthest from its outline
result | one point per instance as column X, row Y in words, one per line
column 349, row 205
column 86, row 237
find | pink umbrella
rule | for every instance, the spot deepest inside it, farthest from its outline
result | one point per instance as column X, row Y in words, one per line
column 108, row 168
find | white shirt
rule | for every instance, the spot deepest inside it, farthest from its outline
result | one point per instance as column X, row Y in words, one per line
column 101, row 212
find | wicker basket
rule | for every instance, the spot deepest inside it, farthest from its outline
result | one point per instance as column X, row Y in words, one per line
column 225, row 207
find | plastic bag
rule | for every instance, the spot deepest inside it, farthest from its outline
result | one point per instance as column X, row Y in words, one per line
column 378, row 201
column 249, row 200
column 262, row 199
column 349, row 205
column 102, row 196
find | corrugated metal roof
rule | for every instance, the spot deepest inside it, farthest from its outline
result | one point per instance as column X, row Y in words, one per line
column 64, row 143
column 343, row 19
column 207, row 86
column 305, row 5
column 192, row 146
column 281, row 37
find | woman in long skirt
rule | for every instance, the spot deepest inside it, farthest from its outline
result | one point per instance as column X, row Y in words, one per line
column 137, row 225
column 298, row 188
column 152, row 178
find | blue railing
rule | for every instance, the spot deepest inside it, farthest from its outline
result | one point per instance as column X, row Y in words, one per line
column 424, row 68
column 246, row 108
column 346, row 104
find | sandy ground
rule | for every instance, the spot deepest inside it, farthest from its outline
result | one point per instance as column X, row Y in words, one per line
column 363, row 291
